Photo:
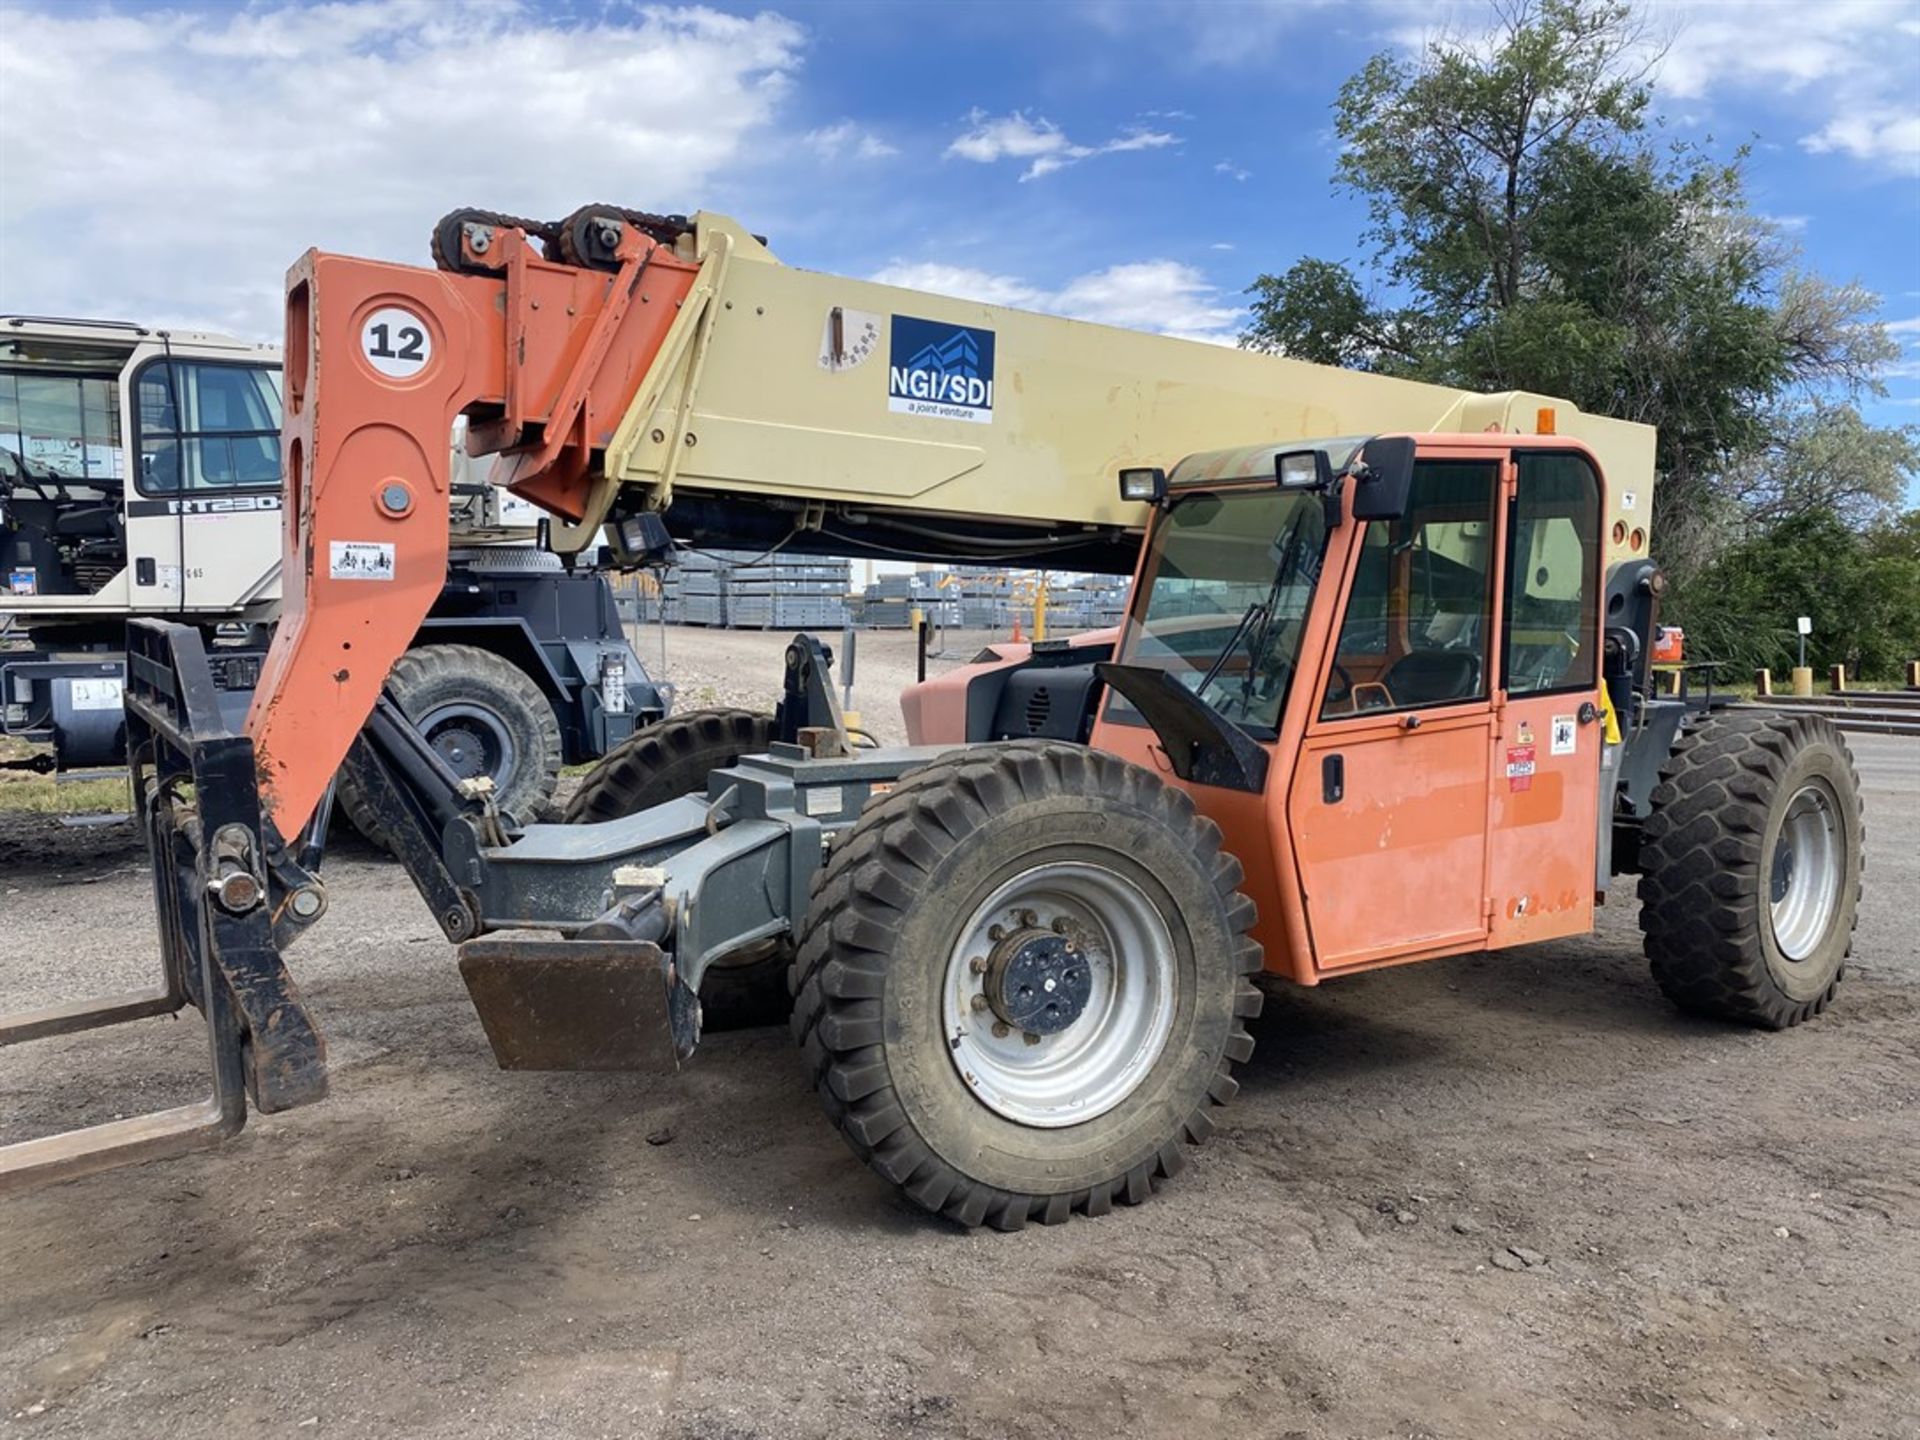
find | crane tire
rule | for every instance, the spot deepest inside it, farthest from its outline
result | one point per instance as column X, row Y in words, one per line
column 1056, row 840
column 1750, row 868
column 486, row 715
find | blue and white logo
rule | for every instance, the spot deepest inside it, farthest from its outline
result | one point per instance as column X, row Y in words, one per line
column 940, row 370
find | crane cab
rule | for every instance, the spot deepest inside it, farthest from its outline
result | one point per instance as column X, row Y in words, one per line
column 1401, row 638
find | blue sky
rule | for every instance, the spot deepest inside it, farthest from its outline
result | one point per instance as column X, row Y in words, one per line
column 1137, row 163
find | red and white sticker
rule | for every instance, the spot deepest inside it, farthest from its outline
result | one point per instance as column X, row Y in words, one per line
column 1520, row 767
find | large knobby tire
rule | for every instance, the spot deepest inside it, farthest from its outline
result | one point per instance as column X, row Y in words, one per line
column 666, row 760
column 1750, row 867
column 485, row 716
column 1143, row 896
column 662, row 762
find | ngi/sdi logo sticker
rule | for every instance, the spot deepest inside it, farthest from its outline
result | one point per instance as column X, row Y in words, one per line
column 940, row 370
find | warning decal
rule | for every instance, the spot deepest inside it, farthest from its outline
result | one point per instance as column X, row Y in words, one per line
column 360, row 560
column 1520, row 767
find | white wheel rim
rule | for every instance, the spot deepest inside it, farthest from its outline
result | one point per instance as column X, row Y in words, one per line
column 1102, row 1055
column 1804, row 872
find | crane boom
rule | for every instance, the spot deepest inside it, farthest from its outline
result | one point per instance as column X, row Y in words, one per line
column 896, row 413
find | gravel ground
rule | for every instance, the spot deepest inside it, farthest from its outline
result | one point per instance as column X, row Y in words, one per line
column 1510, row 1194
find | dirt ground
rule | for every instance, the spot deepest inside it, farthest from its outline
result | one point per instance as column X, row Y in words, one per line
column 1724, row 1225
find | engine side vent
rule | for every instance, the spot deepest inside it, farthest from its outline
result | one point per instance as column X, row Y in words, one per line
column 1039, row 707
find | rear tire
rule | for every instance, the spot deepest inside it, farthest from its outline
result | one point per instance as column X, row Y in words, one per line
column 1750, row 868
column 486, row 716
column 662, row 762
column 1143, row 896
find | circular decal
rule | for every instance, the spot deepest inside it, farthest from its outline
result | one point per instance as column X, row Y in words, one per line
column 395, row 342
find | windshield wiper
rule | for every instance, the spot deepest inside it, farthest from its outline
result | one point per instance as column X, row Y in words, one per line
column 1220, row 660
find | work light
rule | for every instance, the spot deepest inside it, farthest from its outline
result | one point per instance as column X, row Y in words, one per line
column 1302, row 469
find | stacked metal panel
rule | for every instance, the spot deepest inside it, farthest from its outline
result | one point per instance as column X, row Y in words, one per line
column 749, row 590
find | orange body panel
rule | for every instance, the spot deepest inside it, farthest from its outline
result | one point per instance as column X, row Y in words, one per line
column 1397, row 865
column 380, row 360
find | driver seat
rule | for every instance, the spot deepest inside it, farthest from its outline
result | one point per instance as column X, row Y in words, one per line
column 1429, row 677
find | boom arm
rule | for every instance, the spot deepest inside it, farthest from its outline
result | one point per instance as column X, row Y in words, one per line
column 656, row 363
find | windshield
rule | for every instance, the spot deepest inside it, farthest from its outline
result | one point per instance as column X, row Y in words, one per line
column 1223, row 601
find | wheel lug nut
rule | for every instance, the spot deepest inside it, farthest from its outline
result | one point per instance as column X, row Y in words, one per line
column 1000, row 1029
column 1030, row 1037
column 1059, row 926
column 979, row 1002
column 996, row 932
column 978, row 965
column 1029, row 919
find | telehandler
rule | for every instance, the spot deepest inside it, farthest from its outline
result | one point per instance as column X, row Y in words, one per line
column 1379, row 698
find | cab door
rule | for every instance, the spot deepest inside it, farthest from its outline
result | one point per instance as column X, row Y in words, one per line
column 1387, row 805
column 1544, row 820
column 203, row 498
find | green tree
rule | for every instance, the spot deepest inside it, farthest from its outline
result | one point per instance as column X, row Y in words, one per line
column 1860, row 588
column 1529, row 231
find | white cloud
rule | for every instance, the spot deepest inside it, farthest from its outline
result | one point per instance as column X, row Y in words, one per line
column 1888, row 135
column 1040, row 142
column 1904, row 327
column 964, row 281
column 1839, row 72
column 1848, row 62
column 169, row 167
column 1164, row 297
column 1231, row 170
column 846, row 138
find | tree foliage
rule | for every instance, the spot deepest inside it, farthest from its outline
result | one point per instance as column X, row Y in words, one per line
column 1860, row 588
column 1530, row 231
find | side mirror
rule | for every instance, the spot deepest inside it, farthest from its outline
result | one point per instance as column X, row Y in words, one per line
column 1387, row 481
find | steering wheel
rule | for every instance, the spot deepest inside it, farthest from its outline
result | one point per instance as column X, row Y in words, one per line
column 1345, row 692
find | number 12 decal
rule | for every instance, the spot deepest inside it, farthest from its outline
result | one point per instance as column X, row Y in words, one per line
column 396, row 342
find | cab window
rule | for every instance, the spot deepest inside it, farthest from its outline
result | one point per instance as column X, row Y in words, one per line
column 1223, row 600
column 1553, row 576
column 206, row 426
column 1419, row 613
column 59, row 427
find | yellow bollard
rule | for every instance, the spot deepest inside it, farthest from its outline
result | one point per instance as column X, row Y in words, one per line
column 1803, row 680
column 1913, row 675
column 1763, row 682
column 1838, row 678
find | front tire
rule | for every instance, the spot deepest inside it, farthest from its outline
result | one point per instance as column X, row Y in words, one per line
column 940, row 1051
column 1750, row 868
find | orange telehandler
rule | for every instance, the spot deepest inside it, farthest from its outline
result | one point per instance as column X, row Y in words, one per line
column 1378, row 698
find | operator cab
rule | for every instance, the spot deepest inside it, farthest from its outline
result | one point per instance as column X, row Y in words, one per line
column 192, row 420
column 1390, row 648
